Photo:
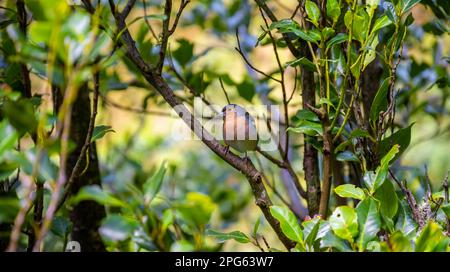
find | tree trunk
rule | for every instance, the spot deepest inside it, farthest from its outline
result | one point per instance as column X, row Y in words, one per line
column 310, row 159
column 86, row 216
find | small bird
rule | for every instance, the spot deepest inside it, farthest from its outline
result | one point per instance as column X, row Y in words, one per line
column 239, row 129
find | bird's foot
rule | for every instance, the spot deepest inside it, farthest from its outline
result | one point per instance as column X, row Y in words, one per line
column 246, row 158
column 227, row 149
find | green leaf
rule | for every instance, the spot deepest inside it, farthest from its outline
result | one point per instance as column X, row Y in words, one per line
column 382, row 170
column 371, row 52
column 408, row 5
column 369, row 222
column 246, row 89
column 183, row 54
column 387, row 197
column 446, row 209
column 380, row 102
column 380, row 23
column 9, row 207
column 360, row 24
column 196, row 209
column 60, row 226
column 95, row 193
column 235, row 235
column 330, row 240
column 118, row 228
column 401, row 137
column 308, row 128
column 371, row 6
column 313, row 12
column 21, row 115
column 399, row 243
column 327, row 32
column 349, row 190
column 288, row 223
column 312, row 235
column 390, row 11
column 304, row 62
column 290, row 26
column 347, row 156
column 8, row 136
column 344, row 223
column 359, row 133
column 256, row 227
column 369, row 179
column 432, row 239
column 153, row 184
column 405, row 222
column 100, row 131
column 339, row 38
column 304, row 114
column 333, row 10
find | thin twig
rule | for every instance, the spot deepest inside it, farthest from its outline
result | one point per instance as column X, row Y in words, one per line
column 239, row 50
column 224, row 91
column 127, row 8
column 87, row 143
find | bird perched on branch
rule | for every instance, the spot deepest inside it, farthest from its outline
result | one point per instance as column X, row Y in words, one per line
column 239, row 129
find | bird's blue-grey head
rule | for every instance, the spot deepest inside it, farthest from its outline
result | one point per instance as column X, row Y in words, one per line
column 233, row 108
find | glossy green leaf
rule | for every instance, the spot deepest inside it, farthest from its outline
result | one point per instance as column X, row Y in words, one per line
column 401, row 137
column 95, row 193
column 288, row 223
column 153, row 184
column 196, row 209
column 313, row 12
column 387, row 197
column 405, row 222
column 344, row 223
column 327, row 32
column 8, row 137
column 304, row 114
column 369, row 222
column 399, row 243
column 304, row 62
column 9, row 207
column 308, row 128
column 346, row 156
column 349, row 190
column 432, row 239
column 330, row 240
column 118, row 228
column 380, row 102
column 339, row 38
column 371, row 6
column 100, row 131
column 390, row 11
column 382, row 170
column 446, row 209
column 359, row 22
column 234, row 235
column 333, row 10
column 380, row 23
column 408, row 5
column 371, row 52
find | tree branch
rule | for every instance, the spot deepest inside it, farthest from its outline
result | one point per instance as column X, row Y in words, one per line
column 245, row 166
